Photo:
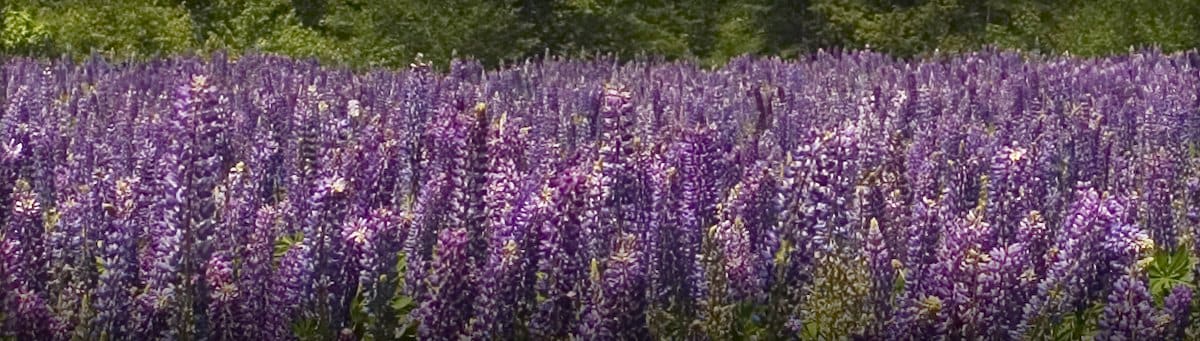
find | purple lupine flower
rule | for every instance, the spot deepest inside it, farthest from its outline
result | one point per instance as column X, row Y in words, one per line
column 377, row 274
column 1124, row 245
column 223, row 294
column 68, row 255
column 814, row 203
column 560, row 254
column 697, row 204
column 923, row 239
column 442, row 201
column 1006, row 281
column 883, row 278
column 1035, row 239
column 963, row 256
column 335, row 273
column 478, row 168
column 28, row 316
column 1075, row 254
column 1192, row 214
column 501, row 280
column 1010, row 190
column 738, row 261
column 254, row 275
column 1158, row 191
column 197, row 124
column 1177, row 308
column 425, row 219
column 616, row 152
column 25, row 226
column 446, row 312
column 112, row 300
column 291, row 291
column 618, row 307
column 658, row 209
column 1129, row 312
column 159, row 264
column 746, row 231
column 591, row 322
column 507, row 217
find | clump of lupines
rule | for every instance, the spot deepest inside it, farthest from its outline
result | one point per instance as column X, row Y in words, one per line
column 843, row 195
column 1129, row 313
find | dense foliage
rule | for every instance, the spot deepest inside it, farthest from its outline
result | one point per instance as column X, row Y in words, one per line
column 984, row 196
column 364, row 33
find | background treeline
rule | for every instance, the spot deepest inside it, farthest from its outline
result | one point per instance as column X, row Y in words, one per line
column 363, row 33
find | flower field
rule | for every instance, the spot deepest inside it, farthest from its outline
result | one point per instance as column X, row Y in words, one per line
column 845, row 195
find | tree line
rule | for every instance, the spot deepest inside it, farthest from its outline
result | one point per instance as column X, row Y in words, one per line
column 393, row 33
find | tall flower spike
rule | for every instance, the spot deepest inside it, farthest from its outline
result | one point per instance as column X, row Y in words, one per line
column 254, row 275
column 501, row 278
column 733, row 243
column 1074, row 255
column 28, row 316
column 112, row 300
column 622, row 306
column 1159, row 190
column 560, row 257
column 1006, row 281
column 1010, row 191
column 1177, row 308
column 446, row 312
column 698, row 195
column 223, row 294
column 1129, row 312
column 291, row 291
column 883, row 278
column 442, row 202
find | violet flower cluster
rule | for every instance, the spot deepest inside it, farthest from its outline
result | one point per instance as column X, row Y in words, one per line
column 845, row 195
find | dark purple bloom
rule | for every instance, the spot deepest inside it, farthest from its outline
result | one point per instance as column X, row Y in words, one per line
column 223, row 295
column 1129, row 312
column 1076, row 254
column 1177, row 307
column 447, row 310
column 560, row 256
column 112, row 301
column 1011, row 187
column 291, row 291
column 617, row 310
column 1159, row 195
column 1006, row 281
column 254, row 275
column 883, row 278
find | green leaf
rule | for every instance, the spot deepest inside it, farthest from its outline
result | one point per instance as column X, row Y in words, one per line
column 1169, row 270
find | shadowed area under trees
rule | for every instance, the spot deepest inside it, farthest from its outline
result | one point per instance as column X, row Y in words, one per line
column 390, row 33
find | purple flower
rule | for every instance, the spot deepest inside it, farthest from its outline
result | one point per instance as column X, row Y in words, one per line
column 112, row 299
column 738, row 260
column 1129, row 312
column 1006, row 281
column 291, row 291
column 442, row 201
column 223, row 294
column 1158, row 191
column 1011, row 186
column 27, row 313
column 447, row 310
column 500, row 281
column 254, row 275
column 560, row 254
column 1076, row 254
column 1177, row 307
column 697, row 204
column 883, row 278
column 618, row 307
